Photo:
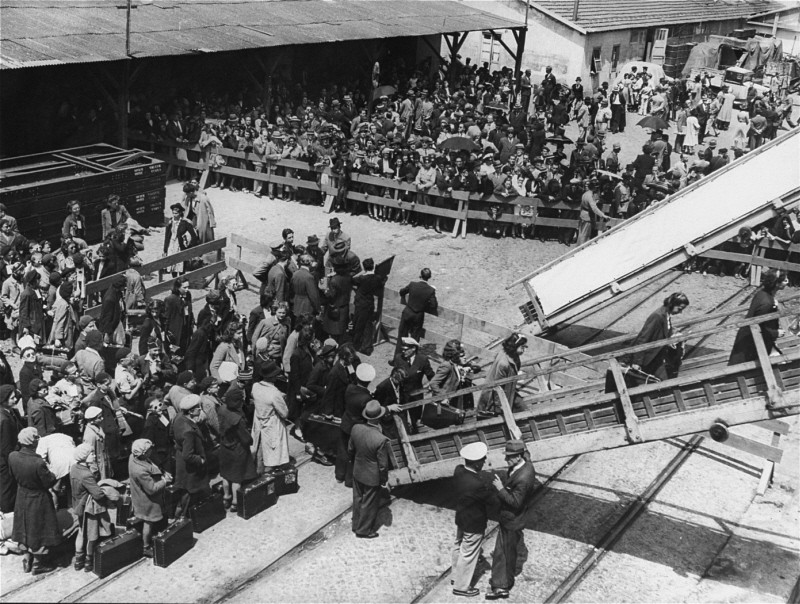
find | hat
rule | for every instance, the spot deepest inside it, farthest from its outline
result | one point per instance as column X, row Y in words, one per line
column 270, row 371
column 712, row 142
column 28, row 436
column 334, row 223
column 177, row 207
column 373, row 410
column 94, row 339
column 409, row 342
column 184, row 377
column 245, row 375
column 474, row 451
column 722, row 150
column 262, row 344
column 92, row 412
column 228, row 371
column 339, row 247
column 327, row 349
column 312, row 240
column 616, row 146
column 365, row 372
column 141, row 446
column 82, row 452
column 515, row 447
column 190, row 401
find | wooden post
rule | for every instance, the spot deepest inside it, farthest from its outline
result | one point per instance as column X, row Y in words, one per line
column 774, row 393
column 631, row 421
column 408, row 449
column 508, row 415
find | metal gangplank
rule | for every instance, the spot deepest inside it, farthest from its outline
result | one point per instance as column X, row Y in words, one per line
column 708, row 396
column 746, row 192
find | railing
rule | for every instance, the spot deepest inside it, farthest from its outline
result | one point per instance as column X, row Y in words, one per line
column 159, row 266
column 458, row 206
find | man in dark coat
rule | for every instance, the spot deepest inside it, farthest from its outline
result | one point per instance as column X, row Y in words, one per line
column 304, row 288
column 111, row 311
column 40, row 414
column 368, row 287
column 417, row 366
column 474, row 495
column 10, row 425
column 418, row 297
column 515, row 493
column 178, row 315
column 191, row 475
column 35, row 522
column 356, row 396
column 369, row 452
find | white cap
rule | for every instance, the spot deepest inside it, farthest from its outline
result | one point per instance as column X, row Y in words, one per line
column 474, row 451
column 190, row 401
column 228, row 371
column 92, row 412
column 365, row 372
column 408, row 341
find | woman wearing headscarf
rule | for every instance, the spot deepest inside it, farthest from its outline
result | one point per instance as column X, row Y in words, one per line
column 147, row 484
column 235, row 459
column 10, row 425
column 90, row 503
column 270, row 437
column 506, row 364
column 62, row 334
column 35, row 522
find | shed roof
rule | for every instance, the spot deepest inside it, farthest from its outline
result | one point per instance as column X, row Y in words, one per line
column 53, row 32
column 606, row 15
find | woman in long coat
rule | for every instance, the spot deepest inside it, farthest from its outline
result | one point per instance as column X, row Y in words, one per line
column 228, row 349
column 35, row 521
column 64, row 318
column 270, row 437
column 89, row 503
column 763, row 303
column 506, row 364
column 10, row 425
column 236, row 463
column 147, row 484
column 206, row 222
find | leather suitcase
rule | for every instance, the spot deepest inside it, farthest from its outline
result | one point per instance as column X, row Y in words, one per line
column 256, row 497
column 441, row 415
column 286, row 480
column 207, row 513
column 117, row 552
column 171, row 543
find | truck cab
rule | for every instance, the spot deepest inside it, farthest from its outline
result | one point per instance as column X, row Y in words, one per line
column 739, row 80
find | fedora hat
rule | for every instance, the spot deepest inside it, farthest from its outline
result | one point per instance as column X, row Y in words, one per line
column 373, row 410
column 515, row 447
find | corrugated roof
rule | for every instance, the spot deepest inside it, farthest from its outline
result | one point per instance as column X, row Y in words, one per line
column 605, row 15
column 36, row 32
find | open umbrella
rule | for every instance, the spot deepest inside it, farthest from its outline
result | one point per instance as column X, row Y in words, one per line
column 496, row 107
column 383, row 91
column 653, row 122
column 459, row 143
column 609, row 174
column 559, row 139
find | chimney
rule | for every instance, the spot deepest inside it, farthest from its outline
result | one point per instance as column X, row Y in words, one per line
column 575, row 4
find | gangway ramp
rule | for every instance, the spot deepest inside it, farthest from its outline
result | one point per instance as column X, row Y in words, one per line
column 746, row 192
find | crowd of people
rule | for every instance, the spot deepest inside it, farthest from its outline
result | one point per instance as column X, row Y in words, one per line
column 465, row 128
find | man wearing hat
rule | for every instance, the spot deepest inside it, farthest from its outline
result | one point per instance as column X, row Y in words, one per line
column 612, row 159
column 334, row 236
column 417, row 366
column 474, row 496
column 356, row 396
column 368, row 449
column 191, row 456
column 317, row 256
column 515, row 494
column 418, row 297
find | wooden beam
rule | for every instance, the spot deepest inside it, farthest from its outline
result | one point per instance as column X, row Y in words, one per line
column 774, row 393
column 508, row 415
column 631, row 421
column 508, row 50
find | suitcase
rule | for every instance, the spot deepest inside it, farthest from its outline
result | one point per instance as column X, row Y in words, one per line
column 441, row 415
column 207, row 513
column 117, row 552
column 124, row 511
column 256, row 497
column 171, row 543
column 286, row 480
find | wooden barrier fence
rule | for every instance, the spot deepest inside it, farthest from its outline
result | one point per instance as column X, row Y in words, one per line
column 765, row 254
column 458, row 206
column 158, row 266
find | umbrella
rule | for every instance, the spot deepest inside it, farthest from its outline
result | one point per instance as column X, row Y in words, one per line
column 654, row 122
column 459, row 143
column 559, row 139
column 609, row 174
column 496, row 106
column 383, row 90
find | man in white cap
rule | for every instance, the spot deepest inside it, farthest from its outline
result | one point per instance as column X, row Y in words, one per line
column 474, row 495
column 191, row 457
column 356, row 397
column 417, row 366
column 369, row 450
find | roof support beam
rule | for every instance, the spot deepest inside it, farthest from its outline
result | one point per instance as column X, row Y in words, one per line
column 431, row 46
column 504, row 45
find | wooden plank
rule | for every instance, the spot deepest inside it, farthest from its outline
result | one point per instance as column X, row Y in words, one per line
column 508, row 416
column 709, row 392
column 534, row 430
column 753, row 447
column 250, row 244
column 587, row 414
column 774, row 395
column 562, row 427
column 200, row 273
column 648, row 405
column 245, row 267
column 774, row 425
column 436, row 452
column 631, row 421
column 408, row 450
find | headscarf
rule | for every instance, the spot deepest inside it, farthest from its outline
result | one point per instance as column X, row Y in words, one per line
column 28, row 437
column 141, row 446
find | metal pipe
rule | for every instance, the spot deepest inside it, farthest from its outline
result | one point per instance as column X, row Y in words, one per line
column 575, row 10
column 128, row 30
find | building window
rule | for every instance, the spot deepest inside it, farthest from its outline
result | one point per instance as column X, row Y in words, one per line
column 614, row 57
column 637, row 36
column 594, row 67
column 699, row 28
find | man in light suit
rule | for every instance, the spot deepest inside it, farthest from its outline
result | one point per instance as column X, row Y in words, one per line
column 515, row 493
column 369, row 450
